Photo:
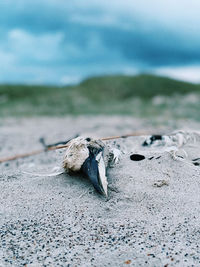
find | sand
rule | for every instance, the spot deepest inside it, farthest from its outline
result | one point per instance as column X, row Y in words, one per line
column 151, row 217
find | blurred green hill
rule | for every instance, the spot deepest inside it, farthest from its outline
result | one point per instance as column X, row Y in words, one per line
column 142, row 95
column 123, row 87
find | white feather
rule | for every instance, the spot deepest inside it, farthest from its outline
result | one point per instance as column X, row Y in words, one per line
column 54, row 172
column 102, row 172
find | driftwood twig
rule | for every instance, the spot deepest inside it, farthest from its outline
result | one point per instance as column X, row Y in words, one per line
column 28, row 154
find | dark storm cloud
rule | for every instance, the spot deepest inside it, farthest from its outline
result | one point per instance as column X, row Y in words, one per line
column 50, row 41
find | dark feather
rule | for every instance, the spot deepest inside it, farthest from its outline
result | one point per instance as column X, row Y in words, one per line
column 91, row 170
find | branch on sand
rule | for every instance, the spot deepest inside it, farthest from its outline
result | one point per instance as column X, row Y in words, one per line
column 28, row 154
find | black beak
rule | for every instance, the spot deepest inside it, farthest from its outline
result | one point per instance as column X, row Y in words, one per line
column 91, row 170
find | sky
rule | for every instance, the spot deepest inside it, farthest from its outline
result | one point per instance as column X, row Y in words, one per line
column 62, row 42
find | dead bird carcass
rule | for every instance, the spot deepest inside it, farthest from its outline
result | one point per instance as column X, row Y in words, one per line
column 91, row 157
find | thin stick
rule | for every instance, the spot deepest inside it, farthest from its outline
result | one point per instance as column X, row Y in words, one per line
column 123, row 136
column 24, row 155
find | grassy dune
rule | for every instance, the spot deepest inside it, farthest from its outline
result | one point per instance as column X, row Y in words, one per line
column 142, row 95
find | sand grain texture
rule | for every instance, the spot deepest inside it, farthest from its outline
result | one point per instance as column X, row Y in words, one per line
column 151, row 218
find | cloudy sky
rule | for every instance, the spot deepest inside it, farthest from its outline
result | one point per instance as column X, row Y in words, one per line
column 62, row 42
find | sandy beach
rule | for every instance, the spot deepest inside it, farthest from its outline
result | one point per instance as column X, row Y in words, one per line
column 150, row 218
